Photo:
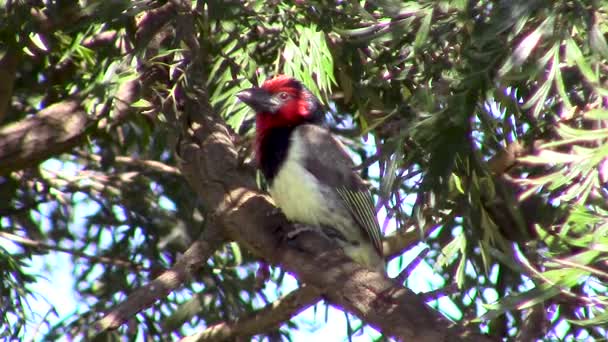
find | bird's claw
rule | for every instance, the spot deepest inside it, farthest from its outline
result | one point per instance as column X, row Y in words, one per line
column 274, row 211
column 298, row 229
column 289, row 235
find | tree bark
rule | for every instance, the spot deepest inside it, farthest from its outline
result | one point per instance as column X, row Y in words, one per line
column 8, row 72
column 53, row 130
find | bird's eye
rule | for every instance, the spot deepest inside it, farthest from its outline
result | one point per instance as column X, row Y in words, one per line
column 283, row 96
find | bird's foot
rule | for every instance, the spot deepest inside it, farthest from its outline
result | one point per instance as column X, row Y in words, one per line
column 299, row 229
column 295, row 236
column 274, row 211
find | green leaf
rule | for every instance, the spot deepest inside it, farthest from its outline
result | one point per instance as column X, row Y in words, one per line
column 423, row 31
column 559, row 80
column 574, row 55
column 450, row 251
column 38, row 41
column 141, row 103
column 236, row 252
column 597, row 114
column 462, row 266
column 571, row 135
column 599, row 320
column 562, row 279
column 526, row 46
column 549, row 157
column 577, row 261
column 597, row 40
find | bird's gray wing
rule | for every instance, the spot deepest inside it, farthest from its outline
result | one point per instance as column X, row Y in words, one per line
column 330, row 162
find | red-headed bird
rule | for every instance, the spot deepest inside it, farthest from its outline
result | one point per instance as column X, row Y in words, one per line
column 310, row 175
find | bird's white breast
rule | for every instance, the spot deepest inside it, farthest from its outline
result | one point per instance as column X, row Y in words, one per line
column 305, row 199
column 301, row 196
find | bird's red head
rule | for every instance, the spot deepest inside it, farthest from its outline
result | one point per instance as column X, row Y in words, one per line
column 281, row 102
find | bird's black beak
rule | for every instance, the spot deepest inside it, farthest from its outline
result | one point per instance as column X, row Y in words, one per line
column 259, row 99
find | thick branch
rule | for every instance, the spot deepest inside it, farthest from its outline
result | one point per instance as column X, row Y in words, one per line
column 54, row 130
column 126, row 94
column 168, row 281
column 152, row 22
column 269, row 317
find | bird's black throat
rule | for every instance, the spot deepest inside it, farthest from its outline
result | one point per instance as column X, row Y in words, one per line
column 273, row 150
column 274, row 143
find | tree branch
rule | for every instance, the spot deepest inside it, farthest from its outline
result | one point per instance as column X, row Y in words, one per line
column 503, row 160
column 100, row 259
column 152, row 21
column 8, row 72
column 62, row 126
column 271, row 316
column 54, row 130
column 534, row 325
column 170, row 280
column 126, row 94
column 395, row 244
column 145, row 164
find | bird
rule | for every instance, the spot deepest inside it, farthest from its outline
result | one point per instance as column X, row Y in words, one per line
column 310, row 175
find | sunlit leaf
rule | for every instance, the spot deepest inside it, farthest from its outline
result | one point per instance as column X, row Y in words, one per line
column 423, row 31
column 574, row 55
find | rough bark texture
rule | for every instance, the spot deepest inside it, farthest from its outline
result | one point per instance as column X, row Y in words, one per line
column 53, row 130
column 8, row 71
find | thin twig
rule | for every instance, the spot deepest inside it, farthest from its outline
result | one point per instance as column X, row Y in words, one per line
column 269, row 317
column 442, row 292
column 170, row 280
column 568, row 263
column 94, row 258
column 39, row 325
column 534, row 273
column 400, row 278
column 152, row 165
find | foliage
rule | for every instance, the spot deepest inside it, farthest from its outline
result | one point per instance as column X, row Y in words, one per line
column 482, row 123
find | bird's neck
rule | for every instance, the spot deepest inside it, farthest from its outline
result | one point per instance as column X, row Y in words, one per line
column 273, row 137
column 272, row 144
